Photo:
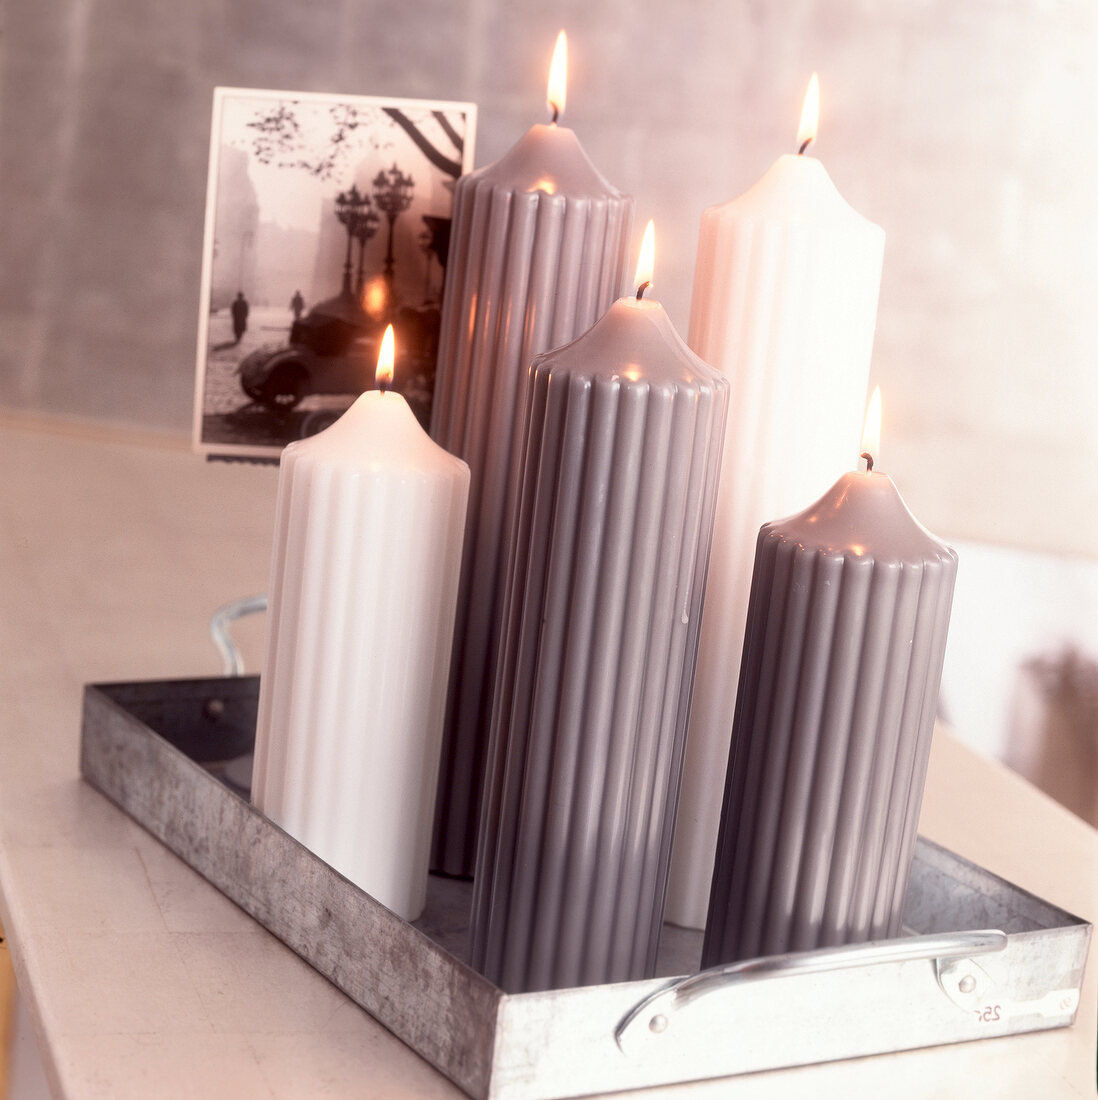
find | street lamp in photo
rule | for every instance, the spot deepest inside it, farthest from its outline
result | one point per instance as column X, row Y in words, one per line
column 365, row 228
column 424, row 241
column 392, row 195
column 350, row 207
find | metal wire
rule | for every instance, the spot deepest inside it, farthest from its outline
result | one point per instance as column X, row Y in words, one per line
column 231, row 661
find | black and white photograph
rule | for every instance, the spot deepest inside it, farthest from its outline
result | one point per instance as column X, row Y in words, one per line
column 328, row 218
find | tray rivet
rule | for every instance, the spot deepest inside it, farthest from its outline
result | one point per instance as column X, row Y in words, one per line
column 658, row 1023
column 213, row 709
column 967, row 984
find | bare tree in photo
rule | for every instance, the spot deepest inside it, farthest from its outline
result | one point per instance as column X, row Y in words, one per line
column 279, row 138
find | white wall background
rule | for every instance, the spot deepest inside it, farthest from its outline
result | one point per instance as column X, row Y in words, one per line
column 967, row 130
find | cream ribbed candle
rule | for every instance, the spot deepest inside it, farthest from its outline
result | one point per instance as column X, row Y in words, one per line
column 785, row 305
column 368, row 538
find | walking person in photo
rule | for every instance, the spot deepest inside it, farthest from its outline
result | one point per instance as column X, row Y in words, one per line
column 239, row 310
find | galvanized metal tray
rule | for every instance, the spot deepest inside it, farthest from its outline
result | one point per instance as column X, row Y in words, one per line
column 984, row 957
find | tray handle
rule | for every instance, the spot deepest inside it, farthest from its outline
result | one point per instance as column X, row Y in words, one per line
column 231, row 662
column 654, row 1014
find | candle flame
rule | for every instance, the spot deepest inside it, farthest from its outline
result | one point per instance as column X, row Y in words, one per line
column 558, row 77
column 385, row 358
column 810, row 115
column 647, row 259
column 871, row 434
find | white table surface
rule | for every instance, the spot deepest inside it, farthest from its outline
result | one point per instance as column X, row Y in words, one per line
column 144, row 981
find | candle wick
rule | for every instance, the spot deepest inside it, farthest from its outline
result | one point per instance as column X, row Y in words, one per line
column 868, row 461
column 556, row 114
column 642, row 288
column 804, row 145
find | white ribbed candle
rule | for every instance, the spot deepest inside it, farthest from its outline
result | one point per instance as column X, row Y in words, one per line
column 368, row 536
column 536, row 255
column 785, row 305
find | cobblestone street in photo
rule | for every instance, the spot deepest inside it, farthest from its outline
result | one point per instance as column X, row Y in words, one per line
column 229, row 415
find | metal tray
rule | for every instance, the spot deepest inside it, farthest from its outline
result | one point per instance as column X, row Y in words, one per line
column 984, row 957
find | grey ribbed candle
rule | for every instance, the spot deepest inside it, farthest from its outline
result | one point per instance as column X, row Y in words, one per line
column 536, row 255
column 600, row 630
column 842, row 662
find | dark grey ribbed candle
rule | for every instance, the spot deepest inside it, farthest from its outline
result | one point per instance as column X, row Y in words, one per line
column 600, row 630
column 842, row 662
column 536, row 255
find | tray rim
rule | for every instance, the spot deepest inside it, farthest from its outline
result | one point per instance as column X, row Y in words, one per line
column 478, row 1048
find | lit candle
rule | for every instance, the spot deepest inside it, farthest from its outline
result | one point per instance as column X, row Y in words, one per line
column 537, row 254
column 842, row 662
column 368, row 534
column 785, row 305
column 600, row 633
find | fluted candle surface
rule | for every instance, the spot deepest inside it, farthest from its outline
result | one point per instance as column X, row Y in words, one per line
column 536, row 255
column 604, row 590
column 368, row 534
column 842, row 662
column 785, row 305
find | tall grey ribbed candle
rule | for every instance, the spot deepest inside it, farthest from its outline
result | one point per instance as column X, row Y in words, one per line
column 842, row 661
column 604, row 592
column 536, row 255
